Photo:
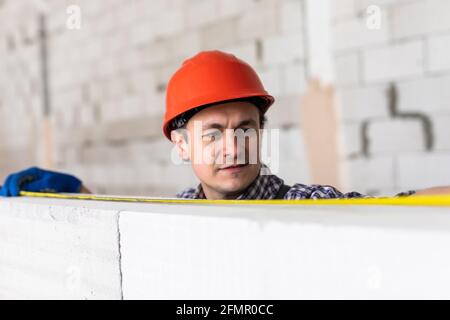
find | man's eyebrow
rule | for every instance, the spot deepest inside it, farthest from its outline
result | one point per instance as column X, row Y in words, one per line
column 215, row 125
column 212, row 125
column 247, row 122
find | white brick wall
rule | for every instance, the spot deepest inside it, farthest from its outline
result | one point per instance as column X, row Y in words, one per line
column 363, row 103
column 399, row 136
column 439, row 53
column 428, row 95
column 371, row 176
column 421, row 17
column 423, row 170
column 283, row 48
column 348, row 69
column 351, row 140
column 441, row 131
column 394, row 62
column 411, row 51
column 353, row 33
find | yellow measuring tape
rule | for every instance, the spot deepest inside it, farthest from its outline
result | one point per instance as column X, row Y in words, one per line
column 436, row 200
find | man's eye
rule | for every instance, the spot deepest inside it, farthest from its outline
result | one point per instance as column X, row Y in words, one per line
column 211, row 136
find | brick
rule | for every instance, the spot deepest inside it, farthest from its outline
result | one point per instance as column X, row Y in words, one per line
column 143, row 81
column 294, row 79
column 168, row 23
column 420, row 17
column 291, row 16
column 200, row 12
column 351, row 139
column 373, row 175
column 395, row 136
column 393, row 62
column 428, row 95
column 285, row 112
column 384, row 4
column 87, row 117
column 260, row 22
column 230, row 8
column 441, row 132
column 271, row 79
column 360, row 104
column 219, row 34
column 438, row 53
column 246, row 52
column 347, row 69
column 343, row 8
column 293, row 165
column 185, row 45
column 353, row 33
column 423, row 170
column 142, row 33
column 156, row 53
column 285, row 48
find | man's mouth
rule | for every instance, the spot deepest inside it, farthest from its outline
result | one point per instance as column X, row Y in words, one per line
column 234, row 168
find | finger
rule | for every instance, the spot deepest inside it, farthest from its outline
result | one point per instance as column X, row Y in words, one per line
column 40, row 185
column 17, row 182
column 4, row 192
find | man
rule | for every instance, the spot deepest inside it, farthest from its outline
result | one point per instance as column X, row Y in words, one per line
column 215, row 108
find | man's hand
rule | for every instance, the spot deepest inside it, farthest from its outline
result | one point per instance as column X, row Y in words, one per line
column 38, row 180
column 433, row 191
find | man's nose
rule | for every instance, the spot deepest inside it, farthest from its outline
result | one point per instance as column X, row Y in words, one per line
column 230, row 147
column 233, row 148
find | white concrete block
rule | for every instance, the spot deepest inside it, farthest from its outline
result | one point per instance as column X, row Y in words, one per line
column 246, row 52
column 351, row 139
column 156, row 53
column 353, row 33
column 363, row 103
column 219, row 34
column 420, row 17
column 58, row 252
column 441, row 132
column 424, row 170
column 259, row 22
column 185, row 45
column 291, row 16
column 200, row 12
column 371, row 175
column 394, row 62
column 347, row 69
column 285, row 112
column 171, row 22
column 251, row 256
column 229, row 8
column 142, row 33
column 293, row 165
column 396, row 136
column 384, row 4
column 282, row 49
column 271, row 79
column 294, row 79
column 427, row 95
column 344, row 8
column 438, row 53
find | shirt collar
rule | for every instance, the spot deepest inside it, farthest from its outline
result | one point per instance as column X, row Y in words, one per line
column 264, row 187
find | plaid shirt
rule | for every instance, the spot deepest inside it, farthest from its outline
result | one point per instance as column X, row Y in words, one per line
column 266, row 187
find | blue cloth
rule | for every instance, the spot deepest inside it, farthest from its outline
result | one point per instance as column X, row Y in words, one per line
column 38, row 180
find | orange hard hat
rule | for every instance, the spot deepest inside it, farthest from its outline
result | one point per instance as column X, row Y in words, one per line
column 208, row 78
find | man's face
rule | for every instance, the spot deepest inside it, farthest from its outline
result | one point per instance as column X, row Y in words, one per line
column 223, row 147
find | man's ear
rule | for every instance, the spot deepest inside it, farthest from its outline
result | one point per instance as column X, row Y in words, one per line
column 180, row 139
